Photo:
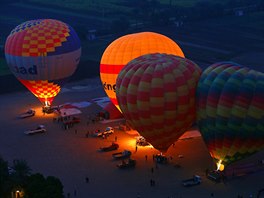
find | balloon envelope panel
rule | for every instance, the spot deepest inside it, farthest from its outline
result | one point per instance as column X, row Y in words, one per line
column 156, row 93
column 128, row 47
column 230, row 111
column 41, row 54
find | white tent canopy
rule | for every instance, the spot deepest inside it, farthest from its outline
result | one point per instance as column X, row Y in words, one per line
column 69, row 111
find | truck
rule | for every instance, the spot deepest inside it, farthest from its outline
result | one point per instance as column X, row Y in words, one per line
column 28, row 113
column 107, row 131
column 122, row 155
column 196, row 180
column 130, row 163
column 113, row 146
column 39, row 129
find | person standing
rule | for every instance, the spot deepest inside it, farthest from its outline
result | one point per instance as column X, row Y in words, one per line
column 75, row 193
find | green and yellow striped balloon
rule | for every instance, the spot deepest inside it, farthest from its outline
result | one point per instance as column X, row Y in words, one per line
column 230, row 111
column 156, row 93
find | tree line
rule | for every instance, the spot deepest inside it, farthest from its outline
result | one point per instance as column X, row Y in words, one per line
column 17, row 181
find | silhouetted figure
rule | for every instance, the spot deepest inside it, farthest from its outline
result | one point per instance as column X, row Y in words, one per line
column 75, row 193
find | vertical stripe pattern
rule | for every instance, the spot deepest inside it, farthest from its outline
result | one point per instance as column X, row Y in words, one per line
column 230, row 111
column 156, row 93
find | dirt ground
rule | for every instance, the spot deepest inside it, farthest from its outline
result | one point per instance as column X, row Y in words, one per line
column 71, row 156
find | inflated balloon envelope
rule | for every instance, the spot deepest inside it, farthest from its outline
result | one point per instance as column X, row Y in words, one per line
column 125, row 49
column 230, row 111
column 156, row 93
column 42, row 54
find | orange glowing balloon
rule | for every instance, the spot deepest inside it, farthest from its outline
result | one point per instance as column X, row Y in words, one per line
column 127, row 48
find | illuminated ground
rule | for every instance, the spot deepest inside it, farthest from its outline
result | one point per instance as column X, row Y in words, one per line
column 72, row 157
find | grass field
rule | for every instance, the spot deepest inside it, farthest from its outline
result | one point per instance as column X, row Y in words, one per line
column 113, row 4
column 88, row 5
column 187, row 3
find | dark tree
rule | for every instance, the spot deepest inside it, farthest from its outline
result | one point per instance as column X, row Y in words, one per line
column 5, row 183
column 22, row 171
column 39, row 187
column 36, row 186
column 54, row 187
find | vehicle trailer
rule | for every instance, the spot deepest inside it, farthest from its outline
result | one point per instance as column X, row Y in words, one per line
column 196, row 180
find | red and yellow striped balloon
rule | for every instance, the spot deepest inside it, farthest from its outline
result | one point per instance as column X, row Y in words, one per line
column 156, row 93
column 125, row 49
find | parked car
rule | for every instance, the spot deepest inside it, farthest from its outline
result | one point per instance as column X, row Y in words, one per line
column 130, row 163
column 141, row 141
column 196, row 180
column 107, row 131
column 39, row 129
column 214, row 176
column 122, row 155
column 28, row 113
column 113, row 146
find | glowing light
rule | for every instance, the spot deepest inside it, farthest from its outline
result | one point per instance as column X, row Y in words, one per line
column 47, row 103
column 220, row 166
column 125, row 49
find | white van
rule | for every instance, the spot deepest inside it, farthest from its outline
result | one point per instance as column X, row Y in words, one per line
column 107, row 131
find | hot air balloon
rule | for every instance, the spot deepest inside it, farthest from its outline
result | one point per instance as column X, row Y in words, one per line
column 230, row 112
column 128, row 47
column 43, row 54
column 156, row 93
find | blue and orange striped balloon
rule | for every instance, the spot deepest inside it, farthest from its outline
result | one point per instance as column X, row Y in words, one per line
column 230, row 111
column 42, row 54
column 156, row 93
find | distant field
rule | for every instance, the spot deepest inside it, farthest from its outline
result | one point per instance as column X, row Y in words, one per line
column 114, row 5
column 207, row 41
column 187, row 3
column 88, row 5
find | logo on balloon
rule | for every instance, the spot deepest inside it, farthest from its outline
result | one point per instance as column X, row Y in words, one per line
column 43, row 54
column 23, row 70
column 125, row 49
column 109, row 87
